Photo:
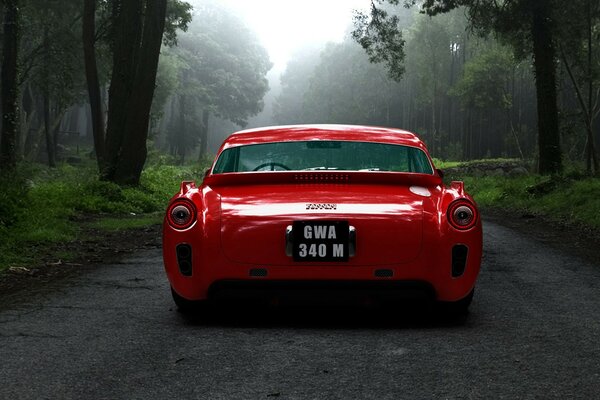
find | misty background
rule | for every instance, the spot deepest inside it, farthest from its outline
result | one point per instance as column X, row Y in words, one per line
column 226, row 65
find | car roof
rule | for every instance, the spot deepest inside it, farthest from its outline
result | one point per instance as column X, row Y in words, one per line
column 323, row 132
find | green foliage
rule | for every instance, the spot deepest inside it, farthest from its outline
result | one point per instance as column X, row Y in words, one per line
column 331, row 99
column 380, row 35
column 50, row 61
column 220, row 71
column 179, row 16
column 441, row 164
column 131, row 222
column 12, row 198
column 167, row 83
column 568, row 200
column 431, row 43
column 225, row 67
column 39, row 207
column 484, row 83
column 295, row 81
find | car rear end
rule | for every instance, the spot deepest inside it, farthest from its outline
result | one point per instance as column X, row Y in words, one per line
column 368, row 233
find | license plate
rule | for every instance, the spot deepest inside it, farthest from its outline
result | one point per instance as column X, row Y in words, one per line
column 320, row 241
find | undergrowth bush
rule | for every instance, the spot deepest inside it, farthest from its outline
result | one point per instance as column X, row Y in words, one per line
column 40, row 206
column 564, row 199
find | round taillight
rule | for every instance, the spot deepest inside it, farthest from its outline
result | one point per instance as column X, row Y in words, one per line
column 462, row 215
column 181, row 214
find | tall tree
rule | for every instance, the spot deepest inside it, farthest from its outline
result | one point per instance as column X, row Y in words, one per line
column 295, row 82
column 138, row 30
column 580, row 55
column 135, row 30
column 10, row 88
column 346, row 88
column 51, row 70
column 224, row 73
column 92, row 79
column 529, row 26
column 484, row 87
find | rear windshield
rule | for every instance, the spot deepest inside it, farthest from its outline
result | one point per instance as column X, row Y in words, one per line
column 323, row 155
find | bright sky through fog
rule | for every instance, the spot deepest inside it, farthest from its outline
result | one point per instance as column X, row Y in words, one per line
column 285, row 25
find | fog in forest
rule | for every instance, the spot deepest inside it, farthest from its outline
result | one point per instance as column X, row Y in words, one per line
column 469, row 96
column 464, row 82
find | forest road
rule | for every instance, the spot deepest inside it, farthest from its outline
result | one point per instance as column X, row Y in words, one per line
column 114, row 333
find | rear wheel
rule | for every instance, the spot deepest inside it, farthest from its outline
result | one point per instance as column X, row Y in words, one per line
column 186, row 306
column 457, row 308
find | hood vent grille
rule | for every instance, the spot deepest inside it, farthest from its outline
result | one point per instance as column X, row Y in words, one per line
column 322, row 178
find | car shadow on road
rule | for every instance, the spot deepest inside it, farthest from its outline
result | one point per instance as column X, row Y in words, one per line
column 396, row 316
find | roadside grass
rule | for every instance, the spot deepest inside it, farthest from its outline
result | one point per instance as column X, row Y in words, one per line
column 129, row 222
column 570, row 201
column 572, row 198
column 41, row 208
column 443, row 164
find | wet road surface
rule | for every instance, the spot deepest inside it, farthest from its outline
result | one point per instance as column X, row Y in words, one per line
column 113, row 333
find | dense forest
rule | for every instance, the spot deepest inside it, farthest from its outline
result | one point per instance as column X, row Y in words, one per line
column 124, row 80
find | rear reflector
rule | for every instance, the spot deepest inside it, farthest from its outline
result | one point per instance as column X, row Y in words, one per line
column 384, row 273
column 258, row 272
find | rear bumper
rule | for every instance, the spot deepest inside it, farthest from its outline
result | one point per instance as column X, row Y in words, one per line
column 213, row 274
column 431, row 277
column 306, row 292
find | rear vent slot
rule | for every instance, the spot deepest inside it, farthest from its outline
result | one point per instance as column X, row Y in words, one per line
column 322, row 177
column 384, row 273
column 258, row 272
column 459, row 259
column 184, row 259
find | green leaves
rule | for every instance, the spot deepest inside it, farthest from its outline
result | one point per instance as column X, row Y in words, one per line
column 485, row 79
column 380, row 35
column 225, row 66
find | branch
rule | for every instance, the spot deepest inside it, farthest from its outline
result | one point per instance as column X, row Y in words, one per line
column 102, row 29
column 595, row 108
column 574, row 82
column 32, row 58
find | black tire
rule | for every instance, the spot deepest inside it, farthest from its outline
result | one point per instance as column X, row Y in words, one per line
column 456, row 308
column 187, row 306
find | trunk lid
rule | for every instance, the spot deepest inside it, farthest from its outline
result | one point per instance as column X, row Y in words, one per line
column 388, row 220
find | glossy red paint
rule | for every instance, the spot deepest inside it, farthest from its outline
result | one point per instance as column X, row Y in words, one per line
column 322, row 132
column 400, row 219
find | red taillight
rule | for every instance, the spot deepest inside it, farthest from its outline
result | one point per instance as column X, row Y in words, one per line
column 462, row 214
column 181, row 214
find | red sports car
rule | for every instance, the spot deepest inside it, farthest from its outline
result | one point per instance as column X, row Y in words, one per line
column 322, row 209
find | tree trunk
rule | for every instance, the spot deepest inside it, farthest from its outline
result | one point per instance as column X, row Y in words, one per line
column 48, row 133
column 46, row 99
column 591, row 157
column 10, row 89
column 129, row 112
column 204, row 133
column 591, row 160
column 182, row 131
column 134, row 151
column 93, row 83
column 545, row 81
column 127, row 29
column 58, row 114
column 29, row 113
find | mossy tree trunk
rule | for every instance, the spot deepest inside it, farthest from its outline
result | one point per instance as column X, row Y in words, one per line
column 9, row 87
column 545, row 81
column 139, row 27
column 93, row 82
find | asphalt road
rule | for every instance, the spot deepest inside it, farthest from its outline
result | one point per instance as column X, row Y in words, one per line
column 113, row 333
